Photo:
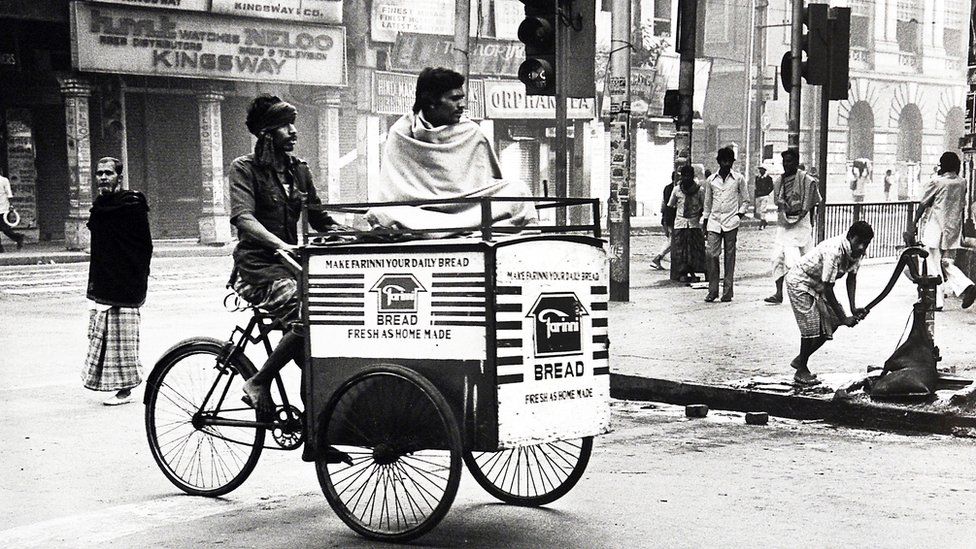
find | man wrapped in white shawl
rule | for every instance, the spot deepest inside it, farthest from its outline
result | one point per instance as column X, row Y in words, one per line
column 435, row 152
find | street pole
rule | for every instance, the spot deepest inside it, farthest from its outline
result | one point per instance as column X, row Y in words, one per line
column 619, row 204
column 749, row 86
column 822, row 154
column 688, row 21
column 796, row 50
column 761, row 71
column 562, row 47
column 462, row 38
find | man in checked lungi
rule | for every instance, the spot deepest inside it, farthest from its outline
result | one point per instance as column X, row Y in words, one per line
column 118, row 273
column 810, row 285
column 266, row 193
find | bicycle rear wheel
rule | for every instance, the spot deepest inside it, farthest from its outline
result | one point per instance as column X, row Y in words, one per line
column 531, row 475
column 404, row 445
column 188, row 386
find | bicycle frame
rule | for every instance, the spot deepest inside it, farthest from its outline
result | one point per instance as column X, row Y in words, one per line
column 236, row 344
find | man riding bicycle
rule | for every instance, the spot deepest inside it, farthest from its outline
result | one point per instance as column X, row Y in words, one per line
column 266, row 193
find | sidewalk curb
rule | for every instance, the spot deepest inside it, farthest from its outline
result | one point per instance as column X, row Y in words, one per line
column 850, row 413
column 44, row 258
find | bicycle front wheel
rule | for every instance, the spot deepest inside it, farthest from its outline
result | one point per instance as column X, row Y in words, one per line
column 531, row 475
column 190, row 387
column 404, row 449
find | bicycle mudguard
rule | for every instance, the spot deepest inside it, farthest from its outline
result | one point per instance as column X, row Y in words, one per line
column 166, row 357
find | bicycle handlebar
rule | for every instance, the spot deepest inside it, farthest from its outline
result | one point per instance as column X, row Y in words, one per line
column 288, row 259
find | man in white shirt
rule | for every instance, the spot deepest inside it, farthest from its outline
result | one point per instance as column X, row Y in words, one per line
column 726, row 201
column 5, row 195
column 942, row 206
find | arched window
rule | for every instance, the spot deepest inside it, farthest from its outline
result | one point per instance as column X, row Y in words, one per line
column 860, row 137
column 910, row 134
column 955, row 128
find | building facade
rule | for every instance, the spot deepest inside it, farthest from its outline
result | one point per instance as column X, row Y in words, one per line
column 906, row 103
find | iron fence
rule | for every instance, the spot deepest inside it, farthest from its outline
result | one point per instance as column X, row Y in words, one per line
column 889, row 220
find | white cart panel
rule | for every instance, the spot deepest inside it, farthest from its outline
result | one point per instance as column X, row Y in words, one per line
column 553, row 374
column 417, row 305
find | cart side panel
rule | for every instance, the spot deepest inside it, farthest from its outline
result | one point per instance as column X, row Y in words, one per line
column 552, row 368
column 410, row 304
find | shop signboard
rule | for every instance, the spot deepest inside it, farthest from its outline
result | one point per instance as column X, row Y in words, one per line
column 488, row 56
column 507, row 99
column 20, row 166
column 192, row 45
column 183, row 5
column 393, row 94
column 389, row 17
column 312, row 11
column 508, row 16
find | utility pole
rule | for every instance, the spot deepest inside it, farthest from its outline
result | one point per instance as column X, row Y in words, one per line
column 686, row 44
column 462, row 38
column 619, row 204
column 761, row 71
column 749, row 87
column 796, row 50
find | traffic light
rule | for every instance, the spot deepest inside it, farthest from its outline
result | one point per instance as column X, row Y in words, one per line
column 840, row 46
column 538, row 33
column 581, row 49
column 816, row 44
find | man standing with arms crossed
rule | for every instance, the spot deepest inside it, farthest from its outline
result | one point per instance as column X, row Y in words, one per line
column 118, row 274
column 796, row 194
column 726, row 201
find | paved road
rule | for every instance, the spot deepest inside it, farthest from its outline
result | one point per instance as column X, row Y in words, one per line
column 78, row 474
column 659, row 480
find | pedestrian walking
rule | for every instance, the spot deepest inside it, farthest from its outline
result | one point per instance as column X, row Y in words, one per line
column 5, row 195
column 764, row 187
column 796, row 194
column 726, row 202
column 889, row 180
column 941, row 210
column 118, row 275
column 810, row 285
column 668, row 214
column 688, row 241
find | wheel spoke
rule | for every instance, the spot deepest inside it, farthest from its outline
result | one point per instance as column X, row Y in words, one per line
column 211, row 460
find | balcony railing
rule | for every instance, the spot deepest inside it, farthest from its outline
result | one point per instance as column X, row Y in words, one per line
column 861, row 58
column 910, row 61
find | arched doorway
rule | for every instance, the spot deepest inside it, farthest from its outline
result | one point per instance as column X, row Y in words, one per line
column 955, row 128
column 860, row 137
column 909, row 153
column 910, row 134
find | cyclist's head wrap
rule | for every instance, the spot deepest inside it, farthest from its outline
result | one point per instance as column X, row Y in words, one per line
column 266, row 113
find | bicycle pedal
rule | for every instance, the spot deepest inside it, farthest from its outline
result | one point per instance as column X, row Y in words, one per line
column 337, row 456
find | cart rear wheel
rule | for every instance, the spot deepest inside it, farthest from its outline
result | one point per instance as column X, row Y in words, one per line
column 531, row 475
column 405, row 450
column 199, row 458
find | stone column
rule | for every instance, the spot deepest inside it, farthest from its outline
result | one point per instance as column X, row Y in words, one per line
column 891, row 21
column 327, row 182
column 77, row 94
column 214, row 221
